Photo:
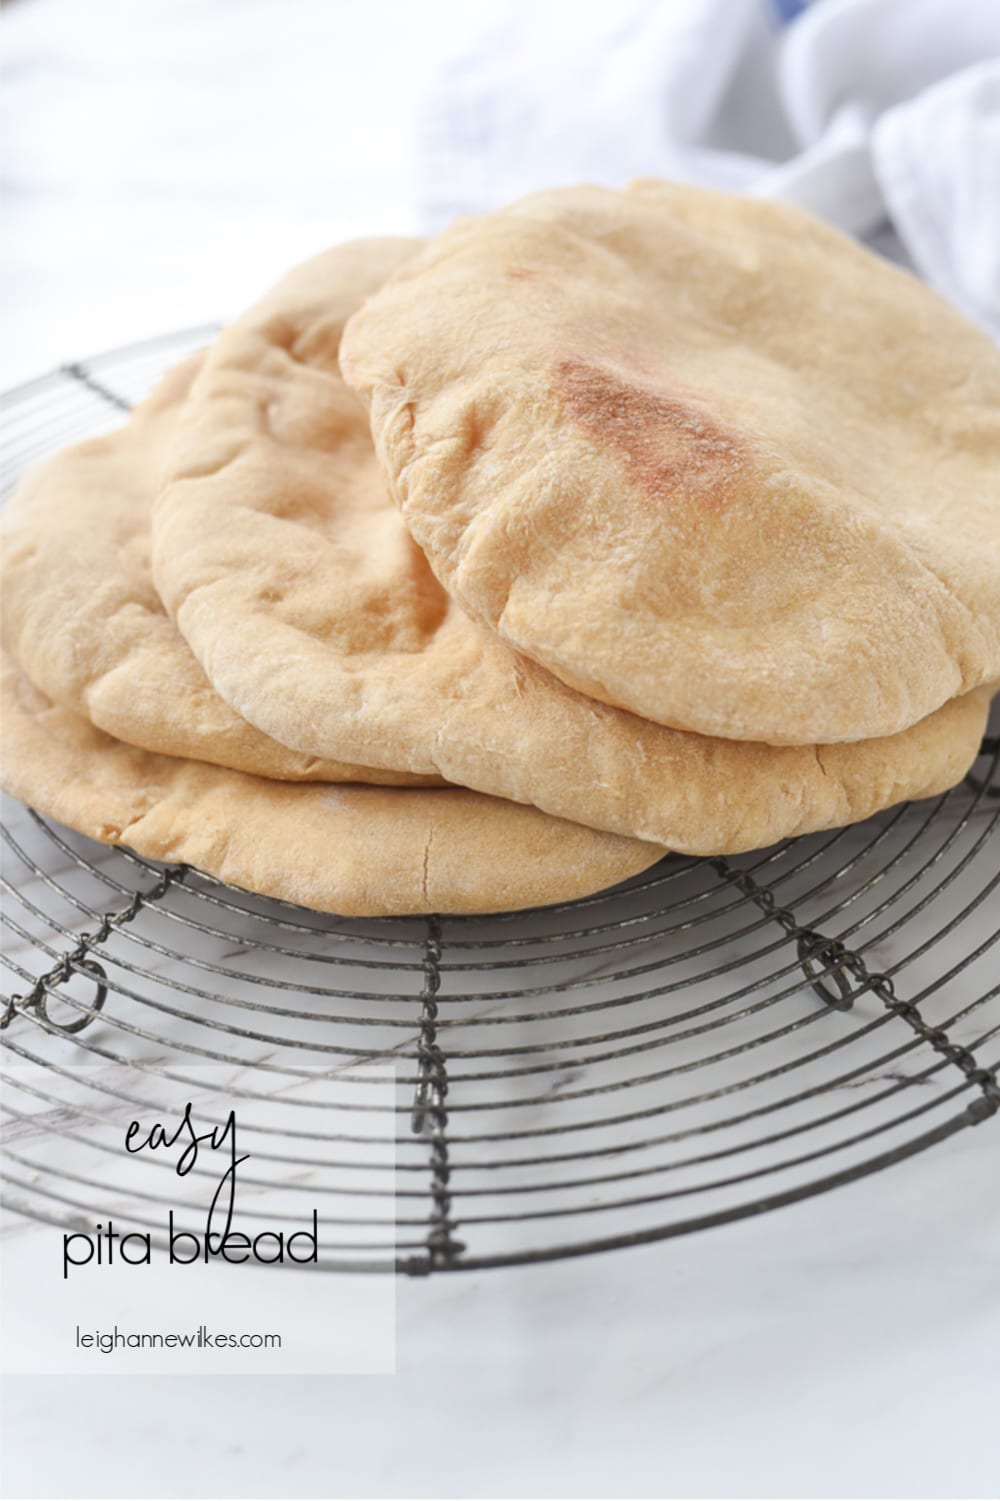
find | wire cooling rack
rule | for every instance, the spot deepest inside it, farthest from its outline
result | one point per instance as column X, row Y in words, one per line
column 712, row 1040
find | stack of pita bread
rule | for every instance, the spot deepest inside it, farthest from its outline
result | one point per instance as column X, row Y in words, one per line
column 478, row 574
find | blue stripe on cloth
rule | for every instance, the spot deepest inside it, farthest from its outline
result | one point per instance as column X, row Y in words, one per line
column 788, row 9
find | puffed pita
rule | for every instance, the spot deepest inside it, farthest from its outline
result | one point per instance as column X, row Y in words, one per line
column 700, row 455
column 356, row 851
column 317, row 617
column 81, row 616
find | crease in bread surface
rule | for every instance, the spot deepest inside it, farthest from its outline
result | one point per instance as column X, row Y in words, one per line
column 700, row 456
column 317, row 616
column 353, row 850
column 82, row 617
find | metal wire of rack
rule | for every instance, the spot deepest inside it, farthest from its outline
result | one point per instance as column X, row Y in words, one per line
column 712, row 1040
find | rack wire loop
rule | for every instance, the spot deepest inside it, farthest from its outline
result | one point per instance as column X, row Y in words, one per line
column 80, row 960
column 823, row 960
column 641, row 1064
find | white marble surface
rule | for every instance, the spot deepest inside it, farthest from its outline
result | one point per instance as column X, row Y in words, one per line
column 162, row 162
column 844, row 1348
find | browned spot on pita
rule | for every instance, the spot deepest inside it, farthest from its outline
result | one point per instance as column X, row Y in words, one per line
column 520, row 273
column 672, row 446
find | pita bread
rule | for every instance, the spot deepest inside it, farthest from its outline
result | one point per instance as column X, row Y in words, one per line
column 318, row 618
column 357, row 851
column 700, row 456
column 81, row 616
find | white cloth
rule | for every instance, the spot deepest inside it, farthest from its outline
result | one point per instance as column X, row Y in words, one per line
column 882, row 116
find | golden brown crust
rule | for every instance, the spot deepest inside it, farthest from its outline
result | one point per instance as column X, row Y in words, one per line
column 81, row 615
column 698, row 455
column 315, row 614
column 358, row 851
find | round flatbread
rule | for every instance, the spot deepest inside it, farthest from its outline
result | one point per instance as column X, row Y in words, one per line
column 315, row 614
column 357, row 851
column 81, row 615
column 699, row 455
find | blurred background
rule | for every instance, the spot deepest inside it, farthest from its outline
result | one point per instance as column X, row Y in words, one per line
column 163, row 161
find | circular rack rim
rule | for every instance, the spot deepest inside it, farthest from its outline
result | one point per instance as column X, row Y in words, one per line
column 527, row 1016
